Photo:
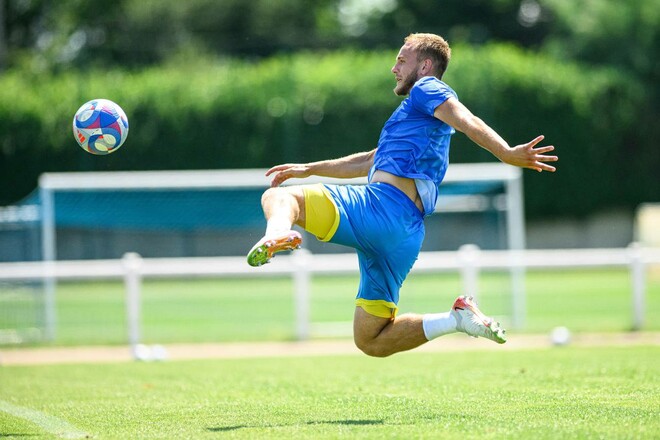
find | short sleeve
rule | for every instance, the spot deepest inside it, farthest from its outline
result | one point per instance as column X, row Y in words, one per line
column 428, row 93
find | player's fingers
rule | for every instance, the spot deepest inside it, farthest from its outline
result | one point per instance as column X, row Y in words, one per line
column 548, row 158
column 535, row 141
column 544, row 149
column 279, row 178
column 540, row 166
column 276, row 181
column 276, row 168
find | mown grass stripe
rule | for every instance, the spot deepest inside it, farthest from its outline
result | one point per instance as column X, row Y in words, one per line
column 52, row 425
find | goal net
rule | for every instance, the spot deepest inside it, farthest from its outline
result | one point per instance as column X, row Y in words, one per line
column 209, row 213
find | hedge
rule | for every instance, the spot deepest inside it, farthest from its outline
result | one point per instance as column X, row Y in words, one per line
column 224, row 113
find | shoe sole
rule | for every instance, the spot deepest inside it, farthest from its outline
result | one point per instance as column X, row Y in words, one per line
column 262, row 253
column 498, row 333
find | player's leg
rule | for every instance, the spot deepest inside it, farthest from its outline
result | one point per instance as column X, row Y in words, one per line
column 282, row 208
column 380, row 337
column 308, row 206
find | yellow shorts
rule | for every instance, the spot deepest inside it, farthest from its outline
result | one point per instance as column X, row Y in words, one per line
column 321, row 214
column 378, row 307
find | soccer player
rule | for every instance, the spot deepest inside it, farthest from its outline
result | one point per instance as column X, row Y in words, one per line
column 384, row 220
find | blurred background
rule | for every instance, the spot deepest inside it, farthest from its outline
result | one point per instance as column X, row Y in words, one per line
column 231, row 84
column 234, row 84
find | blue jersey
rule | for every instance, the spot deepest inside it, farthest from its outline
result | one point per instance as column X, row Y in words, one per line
column 414, row 143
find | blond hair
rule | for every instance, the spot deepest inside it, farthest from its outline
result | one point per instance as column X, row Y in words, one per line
column 433, row 47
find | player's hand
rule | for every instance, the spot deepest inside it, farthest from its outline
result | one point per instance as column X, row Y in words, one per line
column 529, row 156
column 287, row 171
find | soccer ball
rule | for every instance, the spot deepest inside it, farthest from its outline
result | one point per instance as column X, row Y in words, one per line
column 100, row 126
column 560, row 336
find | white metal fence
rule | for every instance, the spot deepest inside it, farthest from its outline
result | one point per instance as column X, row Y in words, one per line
column 301, row 265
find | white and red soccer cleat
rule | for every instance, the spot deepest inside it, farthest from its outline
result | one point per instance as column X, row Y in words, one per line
column 470, row 320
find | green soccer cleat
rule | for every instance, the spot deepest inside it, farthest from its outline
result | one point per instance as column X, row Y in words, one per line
column 470, row 320
column 263, row 251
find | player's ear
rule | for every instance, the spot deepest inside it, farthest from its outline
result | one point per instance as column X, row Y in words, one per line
column 427, row 67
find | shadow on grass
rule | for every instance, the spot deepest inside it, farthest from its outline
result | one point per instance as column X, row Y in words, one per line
column 228, row 428
column 347, row 422
column 4, row 434
column 314, row 422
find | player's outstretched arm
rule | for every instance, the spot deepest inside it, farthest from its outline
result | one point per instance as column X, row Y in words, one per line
column 354, row 165
column 526, row 155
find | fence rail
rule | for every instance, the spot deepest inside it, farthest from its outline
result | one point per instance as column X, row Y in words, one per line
column 301, row 265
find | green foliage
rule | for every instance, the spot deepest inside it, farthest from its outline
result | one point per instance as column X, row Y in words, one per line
column 78, row 34
column 196, row 113
column 624, row 34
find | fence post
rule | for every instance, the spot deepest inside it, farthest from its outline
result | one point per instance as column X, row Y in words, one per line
column 516, row 238
column 518, row 295
column 48, row 255
column 468, row 255
column 301, row 286
column 638, row 279
column 132, row 264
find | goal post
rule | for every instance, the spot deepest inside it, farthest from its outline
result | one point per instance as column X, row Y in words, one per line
column 460, row 191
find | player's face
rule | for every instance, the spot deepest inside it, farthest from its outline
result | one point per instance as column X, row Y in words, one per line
column 405, row 70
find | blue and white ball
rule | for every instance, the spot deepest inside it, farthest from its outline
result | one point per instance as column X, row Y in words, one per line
column 100, row 126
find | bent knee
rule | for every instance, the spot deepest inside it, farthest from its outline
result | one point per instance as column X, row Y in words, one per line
column 272, row 192
column 373, row 349
column 291, row 197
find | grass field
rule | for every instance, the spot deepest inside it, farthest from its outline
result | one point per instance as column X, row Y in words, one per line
column 213, row 310
column 574, row 392
column 552, row 393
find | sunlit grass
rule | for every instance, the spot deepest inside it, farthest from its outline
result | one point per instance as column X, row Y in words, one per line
column 557, row 393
